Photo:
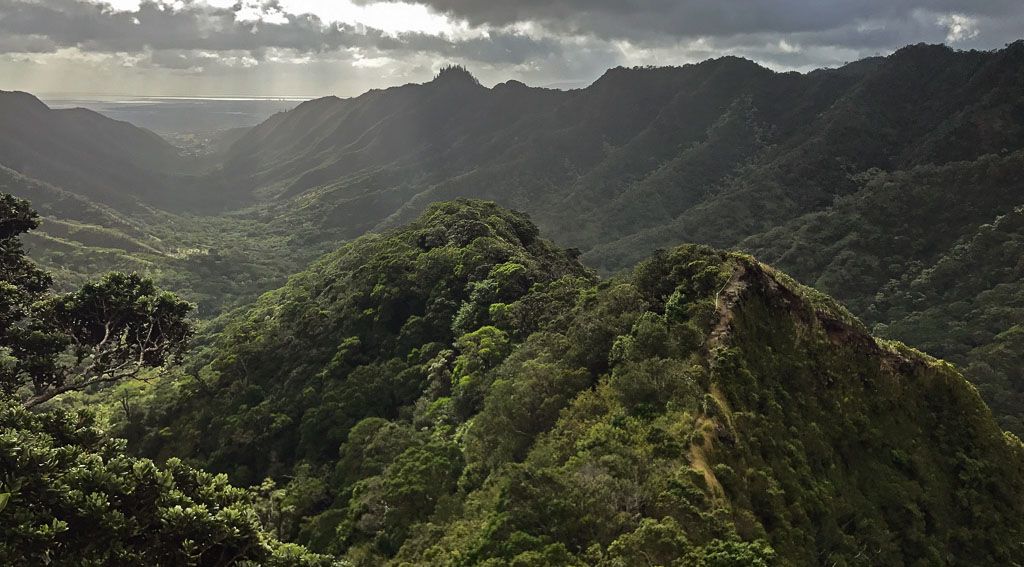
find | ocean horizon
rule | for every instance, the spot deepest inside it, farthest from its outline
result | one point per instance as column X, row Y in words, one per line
column 176, row 115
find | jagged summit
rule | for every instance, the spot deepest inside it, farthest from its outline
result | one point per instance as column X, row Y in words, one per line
column 453, row 74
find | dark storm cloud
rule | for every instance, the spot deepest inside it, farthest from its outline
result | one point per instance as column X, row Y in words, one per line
column 95, row 27
column 538, row 41
column 639, row 19
column 41, row 25
column 47, row 25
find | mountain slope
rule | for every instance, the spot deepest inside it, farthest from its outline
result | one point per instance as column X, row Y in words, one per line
column 105, row 160
column 896, row 224
column 360, row 160
column 915, row 254
column 79, row 237
column 216, row 262
column 461, row 392
column 384, row 304
column 641, row 159
column 923, row 105
column 969, row 308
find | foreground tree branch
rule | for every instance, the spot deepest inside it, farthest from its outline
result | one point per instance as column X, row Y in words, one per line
column 107, row 331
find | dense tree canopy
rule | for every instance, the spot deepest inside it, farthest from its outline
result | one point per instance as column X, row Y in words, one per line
column 931, row 257
column 106, row 331
column 460, row 392
column 69, row 494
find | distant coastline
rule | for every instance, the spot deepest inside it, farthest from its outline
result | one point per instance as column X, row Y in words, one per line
column 175, row 115
column 47, row 97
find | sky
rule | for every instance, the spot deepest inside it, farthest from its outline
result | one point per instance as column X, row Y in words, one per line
column 301, row 48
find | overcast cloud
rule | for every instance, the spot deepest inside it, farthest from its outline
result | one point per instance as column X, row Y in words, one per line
column 311, row 47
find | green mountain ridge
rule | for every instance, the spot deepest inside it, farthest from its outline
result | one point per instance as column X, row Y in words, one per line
column 641, row 159
column 895, row 253
column 445, row 386
column 216, row 262
column 459, row 391
column 111, row 162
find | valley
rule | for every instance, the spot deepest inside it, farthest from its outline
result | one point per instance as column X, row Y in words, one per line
column 712, row 314
column 818, row 174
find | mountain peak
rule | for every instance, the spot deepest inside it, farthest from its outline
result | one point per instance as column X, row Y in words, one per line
column 926, row 52
column 454, row 74
column 21, row 100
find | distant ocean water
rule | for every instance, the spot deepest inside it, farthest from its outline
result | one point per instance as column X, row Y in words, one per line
column 181, row 115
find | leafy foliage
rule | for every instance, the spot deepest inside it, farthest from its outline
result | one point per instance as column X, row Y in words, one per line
column 462, row 392
column 928, row 256
column 73, row 497
column 105, row 332
column 700, row 410
column 369, row 323
column 69, row 495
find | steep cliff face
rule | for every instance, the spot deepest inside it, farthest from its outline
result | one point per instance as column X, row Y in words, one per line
column 461, row 392
column 851, row 446
column 787, row 432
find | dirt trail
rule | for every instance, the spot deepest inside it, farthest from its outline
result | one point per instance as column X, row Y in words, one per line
column 725, row 302
column 699, row 461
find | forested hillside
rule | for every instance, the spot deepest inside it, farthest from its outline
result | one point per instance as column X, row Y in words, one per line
column 460, row 391
column 928, row 256
column 111, row 162
column 217, row 262
column 643, row 158
column 445, row 386
column 857, row 180
column 69, row 492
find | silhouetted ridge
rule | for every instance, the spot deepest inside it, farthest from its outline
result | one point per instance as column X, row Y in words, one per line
column 854, row 68
column 922, row 51
column 511, row 85
column 20, row 101
column 84, row 152
column 454, row 74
